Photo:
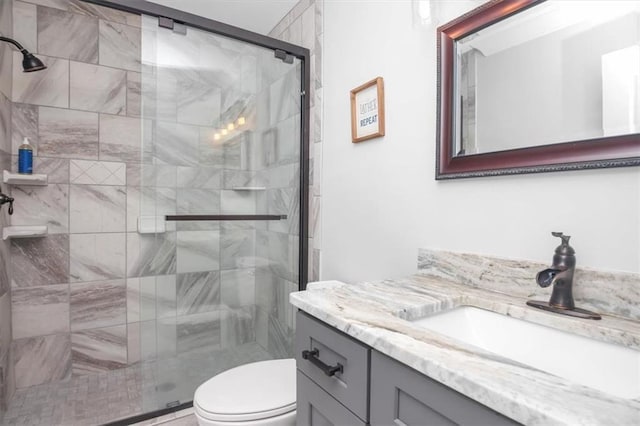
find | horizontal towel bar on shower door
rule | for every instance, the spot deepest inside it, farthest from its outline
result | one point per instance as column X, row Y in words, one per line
column 221, row 217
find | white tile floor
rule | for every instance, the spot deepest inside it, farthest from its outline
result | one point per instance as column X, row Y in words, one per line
column 118, row 394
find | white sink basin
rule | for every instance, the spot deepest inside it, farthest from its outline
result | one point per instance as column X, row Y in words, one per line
column 611, row 368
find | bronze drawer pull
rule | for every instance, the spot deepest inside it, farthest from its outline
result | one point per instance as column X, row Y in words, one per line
column 329, row 370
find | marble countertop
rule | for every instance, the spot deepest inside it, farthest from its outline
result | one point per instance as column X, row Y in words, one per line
column 377, row 314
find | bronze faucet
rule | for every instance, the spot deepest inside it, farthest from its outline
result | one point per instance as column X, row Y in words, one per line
column 561, row 276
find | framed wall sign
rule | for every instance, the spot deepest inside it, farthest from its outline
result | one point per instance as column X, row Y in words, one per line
column 367, row 111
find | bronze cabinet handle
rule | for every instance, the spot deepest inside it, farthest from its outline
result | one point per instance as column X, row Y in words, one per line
column 329, row 370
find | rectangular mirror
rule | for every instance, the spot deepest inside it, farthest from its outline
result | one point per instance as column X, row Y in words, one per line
column 532, row 86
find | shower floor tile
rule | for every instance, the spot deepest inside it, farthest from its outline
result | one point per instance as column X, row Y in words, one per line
column 118, row 394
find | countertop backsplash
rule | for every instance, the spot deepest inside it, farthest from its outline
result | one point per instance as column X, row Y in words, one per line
column 606, row 292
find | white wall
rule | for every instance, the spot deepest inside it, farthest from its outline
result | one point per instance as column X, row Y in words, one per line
column 381, row 202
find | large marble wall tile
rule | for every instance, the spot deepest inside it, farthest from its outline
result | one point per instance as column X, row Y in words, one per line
column 210, row 151
column 176, row 144
column 68, row 133
column 56, row 169
column 150, row 201
column 284, row 201
column 5, row 124
column 40, row 261
column 96, row 257
column 39, row 311
column 56, row 4
column 151, row 297
column 133, row 343
column 198, row 97
column 5, row 326
column 236, row 178
column 284, row 310
column 96, row 88
column 198, row 292
column 98, row 304
column 133, row 300
column 198, row 333
column 134, row 94
column 236, row 153
column 119, row 46
column 198, row 251
column 42, row 359
column 158, row 339
column 288, row 141
column 280, row 344
column 107, row 13
column 284, row 176
column 42, row 205
column 159, row 93
column 161, row 175
column 97, row 208
column 235, row 247
column 84, row 172
column 240, row 202
column 49, row 87
column 24, row 123
column 120, row 138
column 199, row 177
column 198, row 201
column 6, row 67
column 284, row 97
column 67, row 35
column 238, row 326
column 150, row 254
column 98, row 350
column 238, row 287
column 166, row 296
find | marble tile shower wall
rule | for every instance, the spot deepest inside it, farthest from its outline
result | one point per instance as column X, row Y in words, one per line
column 120, row 139
column 7, row 383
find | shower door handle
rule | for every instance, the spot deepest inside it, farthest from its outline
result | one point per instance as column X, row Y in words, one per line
column 223, row 217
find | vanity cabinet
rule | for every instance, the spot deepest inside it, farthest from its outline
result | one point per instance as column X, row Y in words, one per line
column 402, row 396
column 343, row 382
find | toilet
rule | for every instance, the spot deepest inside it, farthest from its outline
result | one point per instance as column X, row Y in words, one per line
column 257, row 394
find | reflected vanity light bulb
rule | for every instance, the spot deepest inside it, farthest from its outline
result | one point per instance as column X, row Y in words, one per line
column 230, row 126
column 241, row 121
column 224, row 132
column 216, row 137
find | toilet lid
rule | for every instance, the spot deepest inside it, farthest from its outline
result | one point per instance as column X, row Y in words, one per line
column 249, row 392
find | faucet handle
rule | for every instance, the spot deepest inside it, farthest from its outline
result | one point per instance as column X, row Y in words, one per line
column 565, row 238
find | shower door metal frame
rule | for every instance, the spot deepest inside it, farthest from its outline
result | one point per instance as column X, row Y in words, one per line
column 144, row 7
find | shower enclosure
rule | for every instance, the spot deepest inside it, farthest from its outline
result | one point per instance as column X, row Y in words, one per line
column 176, row 150
column 215, row 230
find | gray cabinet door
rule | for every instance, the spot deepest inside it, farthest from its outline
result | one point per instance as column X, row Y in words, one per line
column 403, row 396
column 315, row 407
column 351, row 386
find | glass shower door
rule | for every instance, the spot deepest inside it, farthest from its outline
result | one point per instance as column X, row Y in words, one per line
column 217, row 243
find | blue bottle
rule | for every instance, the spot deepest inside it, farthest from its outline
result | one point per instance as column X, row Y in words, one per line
column 25, row 158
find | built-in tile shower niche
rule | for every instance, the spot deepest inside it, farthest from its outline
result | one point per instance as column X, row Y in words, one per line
column 118, row 311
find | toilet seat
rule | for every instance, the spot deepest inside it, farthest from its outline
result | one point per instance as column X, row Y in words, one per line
column 249, row 392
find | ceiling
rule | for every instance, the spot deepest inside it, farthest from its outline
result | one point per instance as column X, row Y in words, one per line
column 259, row 16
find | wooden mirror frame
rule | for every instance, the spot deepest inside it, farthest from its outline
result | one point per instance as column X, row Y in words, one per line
column 612, row 151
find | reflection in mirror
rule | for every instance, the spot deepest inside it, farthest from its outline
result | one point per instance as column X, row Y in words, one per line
column 528, row 86
column 559, row 71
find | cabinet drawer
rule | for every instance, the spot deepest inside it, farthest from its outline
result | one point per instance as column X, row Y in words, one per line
column 315, row 407
column 401, row 395
column 332, row 348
